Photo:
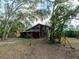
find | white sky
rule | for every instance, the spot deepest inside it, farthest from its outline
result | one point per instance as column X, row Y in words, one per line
column 75, row 22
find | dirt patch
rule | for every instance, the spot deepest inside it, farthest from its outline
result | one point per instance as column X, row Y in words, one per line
column 38, row 50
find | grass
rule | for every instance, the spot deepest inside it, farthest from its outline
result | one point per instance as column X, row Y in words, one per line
column 39, row 50
column 74, row 41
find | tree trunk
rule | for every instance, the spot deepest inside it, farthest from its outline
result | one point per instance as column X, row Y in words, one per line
column 3, row 36
column 52, row 40
column 6, row 36
column 53, row 24
column 52, row 35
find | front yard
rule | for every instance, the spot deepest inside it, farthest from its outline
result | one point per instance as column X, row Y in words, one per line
column 20, row 49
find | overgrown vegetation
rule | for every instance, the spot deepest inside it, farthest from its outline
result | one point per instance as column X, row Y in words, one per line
column 18, row 12
column 71, row 33
column 62, row 12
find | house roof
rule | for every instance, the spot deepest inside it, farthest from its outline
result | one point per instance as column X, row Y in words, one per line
column 35, row 30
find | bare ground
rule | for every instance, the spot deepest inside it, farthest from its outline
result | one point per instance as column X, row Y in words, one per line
column 38, row 50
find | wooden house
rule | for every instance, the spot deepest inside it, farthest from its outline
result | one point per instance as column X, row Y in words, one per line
column 37, row 31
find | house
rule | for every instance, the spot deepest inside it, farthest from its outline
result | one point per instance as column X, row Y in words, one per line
column 37, row 31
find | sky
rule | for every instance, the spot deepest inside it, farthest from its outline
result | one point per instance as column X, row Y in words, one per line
column 74, row 22
column 44, row 6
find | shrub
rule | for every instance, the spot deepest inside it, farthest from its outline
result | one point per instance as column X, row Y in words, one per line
column 77, row 34
column 70, row 33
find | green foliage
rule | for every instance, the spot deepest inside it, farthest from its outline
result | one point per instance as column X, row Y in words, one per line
column 77, row 34
column 17, row 25
column 16, row 11
column 62, row 12
column 70, row 33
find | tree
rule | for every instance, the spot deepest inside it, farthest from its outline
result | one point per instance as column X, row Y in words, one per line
column 21, row 10
column 62, row 12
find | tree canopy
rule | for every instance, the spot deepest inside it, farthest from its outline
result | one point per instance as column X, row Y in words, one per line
column 26, row 11
column 62, row 12
column 14, row 11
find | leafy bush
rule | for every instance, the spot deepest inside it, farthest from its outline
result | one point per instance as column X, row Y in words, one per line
column 77, row 34
column 70, row 33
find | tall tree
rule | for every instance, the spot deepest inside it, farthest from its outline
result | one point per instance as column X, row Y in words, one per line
column 21, row 10
column 62, row 12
